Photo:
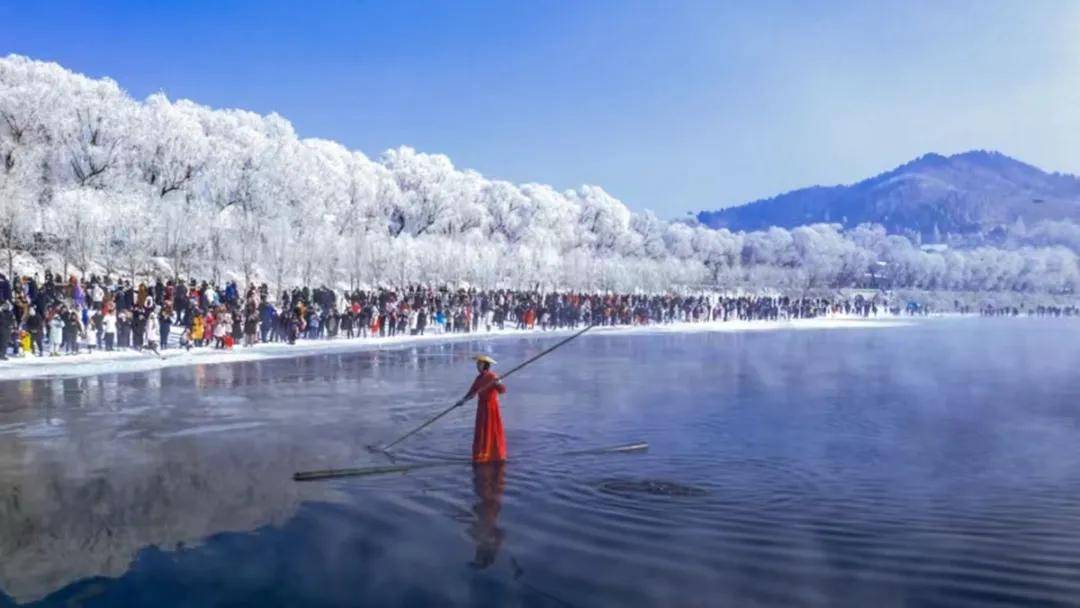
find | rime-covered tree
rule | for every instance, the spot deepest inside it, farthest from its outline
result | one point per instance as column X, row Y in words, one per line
column 106, row 180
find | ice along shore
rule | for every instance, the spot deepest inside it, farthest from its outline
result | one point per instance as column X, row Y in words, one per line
column 89, row 364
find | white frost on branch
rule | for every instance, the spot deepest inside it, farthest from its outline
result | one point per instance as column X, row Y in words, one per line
column 106, row 182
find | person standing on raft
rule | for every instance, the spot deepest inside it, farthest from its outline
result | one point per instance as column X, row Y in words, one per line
column 489, row 442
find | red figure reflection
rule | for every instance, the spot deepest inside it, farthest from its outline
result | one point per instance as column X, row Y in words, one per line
column 488, row 482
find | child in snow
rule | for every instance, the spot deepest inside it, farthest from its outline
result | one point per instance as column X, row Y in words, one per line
column 221, row 329
column 185, row 340
column 153, row 331
column 56, row 334
column 196, row 331
column 108, row 329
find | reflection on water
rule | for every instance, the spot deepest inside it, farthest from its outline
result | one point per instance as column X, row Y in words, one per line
column 488, row 482
column 94, row 469
column 74, row 509
column 925, row 465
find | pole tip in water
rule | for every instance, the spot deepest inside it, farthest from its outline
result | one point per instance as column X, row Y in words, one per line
column 378, row 449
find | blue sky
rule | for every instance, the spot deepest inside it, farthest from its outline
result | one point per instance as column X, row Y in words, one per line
column 671, row 106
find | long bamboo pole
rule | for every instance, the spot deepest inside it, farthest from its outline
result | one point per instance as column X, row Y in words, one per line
column 464, row 399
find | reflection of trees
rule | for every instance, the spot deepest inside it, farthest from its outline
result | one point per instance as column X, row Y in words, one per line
column 72, row 513
column 94, row 469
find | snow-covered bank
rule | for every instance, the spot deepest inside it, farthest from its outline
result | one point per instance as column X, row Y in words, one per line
column 88, row 364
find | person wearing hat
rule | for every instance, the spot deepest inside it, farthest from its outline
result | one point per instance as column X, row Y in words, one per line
column 489, row 442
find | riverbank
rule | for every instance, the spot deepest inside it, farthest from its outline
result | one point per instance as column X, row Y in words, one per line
column 88, row 364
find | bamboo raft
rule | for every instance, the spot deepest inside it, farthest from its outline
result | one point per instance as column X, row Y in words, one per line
column 627, row 448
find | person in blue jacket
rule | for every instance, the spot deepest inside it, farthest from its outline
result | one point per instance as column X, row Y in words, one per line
column 266, row 320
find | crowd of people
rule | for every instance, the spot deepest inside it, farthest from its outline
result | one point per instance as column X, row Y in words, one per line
column 68, row 316
column 1034, row 311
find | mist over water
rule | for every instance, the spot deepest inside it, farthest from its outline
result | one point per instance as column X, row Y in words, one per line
column 929, row 464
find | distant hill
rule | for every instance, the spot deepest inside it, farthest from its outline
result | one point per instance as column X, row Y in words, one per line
column 964, row 193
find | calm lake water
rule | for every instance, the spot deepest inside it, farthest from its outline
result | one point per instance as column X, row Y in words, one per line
column 932, row 464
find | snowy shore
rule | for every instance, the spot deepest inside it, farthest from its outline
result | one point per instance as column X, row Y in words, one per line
column 88, row 364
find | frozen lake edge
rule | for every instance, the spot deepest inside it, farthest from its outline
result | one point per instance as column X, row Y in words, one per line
column 88, row 364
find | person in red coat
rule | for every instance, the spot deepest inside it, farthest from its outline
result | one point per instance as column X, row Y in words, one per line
column 489, row 442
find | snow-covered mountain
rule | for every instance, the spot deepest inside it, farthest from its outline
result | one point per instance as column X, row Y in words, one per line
column 974, row 191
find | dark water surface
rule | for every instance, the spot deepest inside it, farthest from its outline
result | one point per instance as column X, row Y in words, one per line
column 932, row 464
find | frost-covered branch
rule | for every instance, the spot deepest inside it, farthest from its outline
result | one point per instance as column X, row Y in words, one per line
column 123, row 185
